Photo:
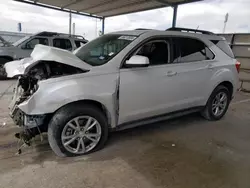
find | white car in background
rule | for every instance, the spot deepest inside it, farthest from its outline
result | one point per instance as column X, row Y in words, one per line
column 121, row 80
column 23, row 47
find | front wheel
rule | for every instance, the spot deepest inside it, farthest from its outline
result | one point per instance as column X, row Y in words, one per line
column 2, row 71
column 77, row 129
column 217, row 104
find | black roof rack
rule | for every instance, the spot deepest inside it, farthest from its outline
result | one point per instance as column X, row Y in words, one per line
column 190, row 30
column 142, row 29
column 53, row 34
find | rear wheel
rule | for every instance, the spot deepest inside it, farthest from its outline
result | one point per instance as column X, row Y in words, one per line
column 217, row 104
column 77, row 129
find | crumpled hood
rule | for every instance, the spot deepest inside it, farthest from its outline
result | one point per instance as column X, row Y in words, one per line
column 44, row 53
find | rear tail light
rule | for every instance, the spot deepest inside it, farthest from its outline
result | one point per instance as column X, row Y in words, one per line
column 237, row 65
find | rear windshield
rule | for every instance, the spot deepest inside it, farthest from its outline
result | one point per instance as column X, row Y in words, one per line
column 222, row 44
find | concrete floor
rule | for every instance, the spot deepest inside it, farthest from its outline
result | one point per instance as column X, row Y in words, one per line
column 187, row 152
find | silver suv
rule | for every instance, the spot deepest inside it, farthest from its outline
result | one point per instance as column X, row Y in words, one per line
column 23, row 47
column 120, row 80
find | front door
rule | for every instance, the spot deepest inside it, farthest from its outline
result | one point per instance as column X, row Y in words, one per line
column 143, row 91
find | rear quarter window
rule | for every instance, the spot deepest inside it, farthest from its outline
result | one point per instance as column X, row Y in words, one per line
column 224, row 47
column 79, row 43
column 190, row 50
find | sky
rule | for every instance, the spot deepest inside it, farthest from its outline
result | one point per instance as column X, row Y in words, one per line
column 207, row 15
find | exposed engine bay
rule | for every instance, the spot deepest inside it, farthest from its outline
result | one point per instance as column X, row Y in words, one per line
column 42, row 71
column 26, row 86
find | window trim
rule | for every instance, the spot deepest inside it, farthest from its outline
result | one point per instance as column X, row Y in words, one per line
column 206, row 60
column 145, row 41
column 160, row 40
column 72, row 46
column 81, row 41
column 159, row 37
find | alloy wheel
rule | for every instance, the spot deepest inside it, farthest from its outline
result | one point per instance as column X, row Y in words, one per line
column 219, row 103
column 81, row 134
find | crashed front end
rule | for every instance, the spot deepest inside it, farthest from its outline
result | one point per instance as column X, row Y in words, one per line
column 45, row 64
column 24, row 89
column 31, row 125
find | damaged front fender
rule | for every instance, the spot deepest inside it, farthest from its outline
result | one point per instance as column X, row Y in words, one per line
column 56, row 93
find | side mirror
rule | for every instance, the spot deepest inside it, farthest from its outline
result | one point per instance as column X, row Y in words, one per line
column 137, row 61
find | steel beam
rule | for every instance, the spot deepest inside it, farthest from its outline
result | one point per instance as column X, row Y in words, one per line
column 103, row 25
column 70, row 23
column 175, row 7
column 58, row 8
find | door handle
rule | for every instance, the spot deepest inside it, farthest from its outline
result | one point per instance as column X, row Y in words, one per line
column 210, row 66
column 171, row 73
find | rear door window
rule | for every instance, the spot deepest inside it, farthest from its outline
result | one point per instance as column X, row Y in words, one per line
column 190, row 50
column 62, row 43
column 79, row 43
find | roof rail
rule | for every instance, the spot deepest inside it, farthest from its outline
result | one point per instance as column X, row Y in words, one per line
column 142, row 29
column 52, row 34
column 190, row 30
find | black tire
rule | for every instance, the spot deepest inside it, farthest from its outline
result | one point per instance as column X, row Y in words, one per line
column 207, row 111
column 67, row 113
column 2, row 72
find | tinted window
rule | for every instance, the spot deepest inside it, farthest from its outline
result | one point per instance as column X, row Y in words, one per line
column 63, row 44
column 224, row 47
column 156, row 51
column 189, row 50
column 103, row 49
column 32, row 43
column 79, row 43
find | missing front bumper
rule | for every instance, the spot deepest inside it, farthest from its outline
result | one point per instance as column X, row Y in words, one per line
column 28, row 121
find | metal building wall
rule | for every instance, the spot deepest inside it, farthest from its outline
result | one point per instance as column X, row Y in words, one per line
column 240, row 44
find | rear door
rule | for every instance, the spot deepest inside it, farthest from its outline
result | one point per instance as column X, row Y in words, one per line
column 193, row 63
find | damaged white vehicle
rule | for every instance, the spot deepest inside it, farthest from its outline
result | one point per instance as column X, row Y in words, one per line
column 120, row 80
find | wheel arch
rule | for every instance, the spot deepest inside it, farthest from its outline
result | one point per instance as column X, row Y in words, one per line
column 7, row 57
column 91, row 102
column 229, row 86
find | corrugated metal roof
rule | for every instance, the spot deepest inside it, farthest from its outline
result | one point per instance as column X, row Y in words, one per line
column 105, row 8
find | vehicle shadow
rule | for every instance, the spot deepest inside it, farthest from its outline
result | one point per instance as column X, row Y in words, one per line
column 156, row 153
column 117, row 140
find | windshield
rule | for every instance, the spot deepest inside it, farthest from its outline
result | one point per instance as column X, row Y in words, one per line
column 17, row 43
column 3, row 42
column 103, row 49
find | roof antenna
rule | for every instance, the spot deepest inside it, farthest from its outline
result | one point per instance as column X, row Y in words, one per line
column 197, row 29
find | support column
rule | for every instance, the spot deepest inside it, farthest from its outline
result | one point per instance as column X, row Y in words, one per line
column 175, row 7
column 70, row 22
column 103, row 25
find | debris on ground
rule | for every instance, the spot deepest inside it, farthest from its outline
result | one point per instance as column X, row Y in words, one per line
column 3, row 124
